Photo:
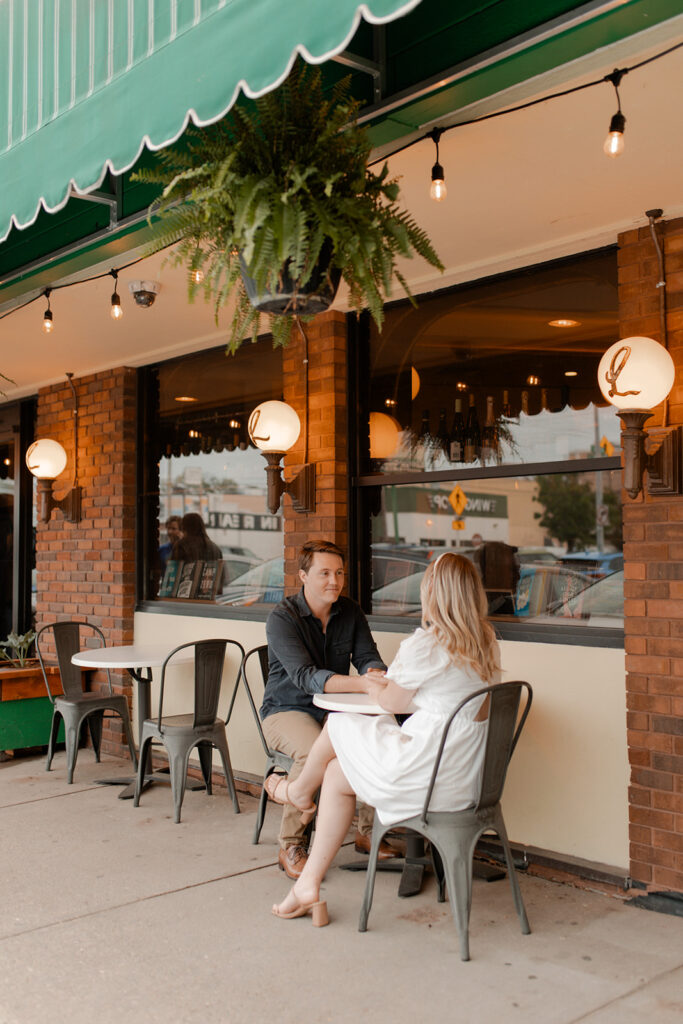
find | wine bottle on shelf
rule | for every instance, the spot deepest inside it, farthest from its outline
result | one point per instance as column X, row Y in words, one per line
column 506, row 411
column 489, row 435
column 472, row 433
column 457, row 437
column 525, row 402
column 544, row 399
column 442, row 438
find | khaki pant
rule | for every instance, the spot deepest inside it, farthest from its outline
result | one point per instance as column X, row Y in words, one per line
column 294, row 733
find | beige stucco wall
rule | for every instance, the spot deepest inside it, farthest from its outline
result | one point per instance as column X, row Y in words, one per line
column 567, row 784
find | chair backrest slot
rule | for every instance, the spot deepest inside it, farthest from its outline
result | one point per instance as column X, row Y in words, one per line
column 209, row 659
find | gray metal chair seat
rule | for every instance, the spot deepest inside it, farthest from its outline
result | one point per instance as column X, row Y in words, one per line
column 180, row 734
column 454, row 834
column 76, row 707
column 275, row 759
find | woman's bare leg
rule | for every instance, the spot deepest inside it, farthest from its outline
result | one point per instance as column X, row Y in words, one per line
column 335, row 814
column 303, row 788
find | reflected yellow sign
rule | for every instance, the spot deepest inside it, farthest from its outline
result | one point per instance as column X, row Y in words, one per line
column 458, row 524
column 458, row 500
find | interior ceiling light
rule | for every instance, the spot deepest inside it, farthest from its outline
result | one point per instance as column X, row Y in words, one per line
column 564, row 323
column 437, row 190
column 614, row 143
column 116, row 311
column 533, row 380
column 461, row 386
column 185, row 398
column 571, row 373
column 48, row 323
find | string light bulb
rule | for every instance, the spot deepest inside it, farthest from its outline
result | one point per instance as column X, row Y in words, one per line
column 116, row 311
column 196, row 275
column 48, row 323
column 437, row 190
column 614, row 143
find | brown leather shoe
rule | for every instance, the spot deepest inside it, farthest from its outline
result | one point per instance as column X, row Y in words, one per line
column 292, row 861
column 362, row 845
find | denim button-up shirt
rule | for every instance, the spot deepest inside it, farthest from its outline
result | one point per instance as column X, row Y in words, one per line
column 301, row 657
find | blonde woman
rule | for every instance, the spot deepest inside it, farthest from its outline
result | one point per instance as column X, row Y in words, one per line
column 387, row 765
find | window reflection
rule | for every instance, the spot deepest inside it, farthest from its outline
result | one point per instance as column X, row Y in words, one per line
column 548, row 548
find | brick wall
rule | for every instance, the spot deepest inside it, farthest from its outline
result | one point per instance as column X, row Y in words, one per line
column 327, row 375
column 87, row 569
column 653, row 591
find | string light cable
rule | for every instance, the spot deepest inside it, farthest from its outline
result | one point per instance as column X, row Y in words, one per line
column 614, row 78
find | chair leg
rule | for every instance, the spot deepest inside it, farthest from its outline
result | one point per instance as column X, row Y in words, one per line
column 140, row 778
column 377, row 835
column 512, row 875
column 72, row 732
column 54, row 731
column 178, row 762
column 458, row 870
column 95, row 727
column 205, row 751
column 222, row 744
column 260, row 812
column 437, row 865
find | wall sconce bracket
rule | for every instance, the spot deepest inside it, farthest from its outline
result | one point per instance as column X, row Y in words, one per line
column 665, row 461
column 301, row 488
column 69, row 505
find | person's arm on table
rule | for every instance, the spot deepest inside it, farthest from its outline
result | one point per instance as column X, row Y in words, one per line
column 388, row 694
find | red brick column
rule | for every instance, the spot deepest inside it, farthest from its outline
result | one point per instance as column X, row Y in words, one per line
column 327, row 388
column 653, row 591
column 87, row 569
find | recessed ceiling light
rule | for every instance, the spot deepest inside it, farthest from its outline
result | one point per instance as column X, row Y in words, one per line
column 185, row 398
column 564, row 323
column 571, row 373
column 533, row 380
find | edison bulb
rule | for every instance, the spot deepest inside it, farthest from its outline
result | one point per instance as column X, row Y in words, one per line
column 614, row 144
column 116, row 311
column 47, row 322
column 438, row 191
column 197, row 276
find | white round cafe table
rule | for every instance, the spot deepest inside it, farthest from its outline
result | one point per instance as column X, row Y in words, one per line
column 357, row 702
column 138, row 660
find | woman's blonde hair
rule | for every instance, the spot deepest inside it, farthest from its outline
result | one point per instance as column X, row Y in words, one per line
column 454, row 608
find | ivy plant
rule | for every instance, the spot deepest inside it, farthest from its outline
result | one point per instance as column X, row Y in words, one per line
column 278, row 184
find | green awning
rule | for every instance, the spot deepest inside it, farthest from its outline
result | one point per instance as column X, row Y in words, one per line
column 85, row 84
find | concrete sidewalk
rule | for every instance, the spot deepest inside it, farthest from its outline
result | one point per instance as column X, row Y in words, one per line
column 111, row 913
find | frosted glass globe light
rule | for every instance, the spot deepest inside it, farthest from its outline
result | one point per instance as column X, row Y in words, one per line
column 636, row 373
column 274, row 426
column 46, row 459
column 384, row 435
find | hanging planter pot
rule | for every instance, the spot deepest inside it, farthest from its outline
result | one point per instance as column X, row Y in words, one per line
column 314, row 297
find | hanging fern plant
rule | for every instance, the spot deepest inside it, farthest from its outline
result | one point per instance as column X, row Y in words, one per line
column 281, row 189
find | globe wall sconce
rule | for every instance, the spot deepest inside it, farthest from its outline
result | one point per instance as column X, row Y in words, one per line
column 635, row 375
column 274, row 427
column 46, row 459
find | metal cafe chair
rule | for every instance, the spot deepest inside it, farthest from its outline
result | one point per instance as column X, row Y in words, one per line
column 275, row 759
column 454, row 834
column 180, row 734
column 76, row 706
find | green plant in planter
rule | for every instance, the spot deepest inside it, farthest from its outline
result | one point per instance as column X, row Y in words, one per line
column 19, row 644
column 278, row 188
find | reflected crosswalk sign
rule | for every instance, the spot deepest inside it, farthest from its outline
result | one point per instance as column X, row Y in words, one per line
column 458, row 500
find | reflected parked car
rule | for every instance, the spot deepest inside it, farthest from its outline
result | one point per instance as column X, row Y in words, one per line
column 601, row 603
column 542, row 587
column 400, row 597
column 262, row 584
column 594, row 563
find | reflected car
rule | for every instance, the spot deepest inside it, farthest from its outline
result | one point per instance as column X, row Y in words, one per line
column 262, row 584
column 235, row 563
column 594, row 563
column 601, row 603
column 400, row 597
column 542, row 587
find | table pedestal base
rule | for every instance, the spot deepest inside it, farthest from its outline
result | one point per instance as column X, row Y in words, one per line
column 159, row 776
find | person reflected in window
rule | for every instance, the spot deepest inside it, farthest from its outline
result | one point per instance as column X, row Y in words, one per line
column 195, row 544
column 498, row 565
column 173, row 534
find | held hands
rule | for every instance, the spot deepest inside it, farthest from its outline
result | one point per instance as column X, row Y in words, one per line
column 376, row 683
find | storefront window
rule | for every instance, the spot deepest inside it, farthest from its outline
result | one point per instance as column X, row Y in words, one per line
column 488, row 435
column 212, row 531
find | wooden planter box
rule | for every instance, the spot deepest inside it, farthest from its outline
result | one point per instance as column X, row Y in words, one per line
column 25, row 711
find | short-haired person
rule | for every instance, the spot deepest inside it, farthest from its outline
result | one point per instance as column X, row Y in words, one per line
column 453, row 654
column 313, row 638
column 173, row 533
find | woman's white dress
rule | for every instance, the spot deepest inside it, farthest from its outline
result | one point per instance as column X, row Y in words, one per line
column 389, row 766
